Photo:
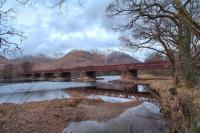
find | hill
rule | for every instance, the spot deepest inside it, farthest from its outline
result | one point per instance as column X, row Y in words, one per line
column 77, row 58
column 121, row 58
column 74, row 58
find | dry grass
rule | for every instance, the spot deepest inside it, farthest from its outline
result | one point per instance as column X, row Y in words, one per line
column 150, row 76
column 147, row 79
column 52, row 116
column 179, row 104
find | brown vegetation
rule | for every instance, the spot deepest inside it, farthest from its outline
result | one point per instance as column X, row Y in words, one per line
column 26, row 67
column 179, row 105
column 12, row 71
column 53, row 116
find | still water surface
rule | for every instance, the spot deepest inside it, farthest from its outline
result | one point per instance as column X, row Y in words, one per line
column 145, row 118
column 37, row 91
column 40, row 91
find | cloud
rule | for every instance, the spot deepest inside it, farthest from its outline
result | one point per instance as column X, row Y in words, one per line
column 76, row 27
column 55, row 30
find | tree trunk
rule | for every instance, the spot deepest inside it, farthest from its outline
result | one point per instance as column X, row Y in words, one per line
column 188, row 69
column 176, row 76
column 175, row 72
column 186, row 17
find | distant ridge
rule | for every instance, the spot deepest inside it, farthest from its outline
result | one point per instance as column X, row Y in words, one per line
column 121, row 58
column 38, row 61
column 75, row 58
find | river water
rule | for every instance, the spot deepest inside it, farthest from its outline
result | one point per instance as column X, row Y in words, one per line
column 40, row 91
column 144, row 118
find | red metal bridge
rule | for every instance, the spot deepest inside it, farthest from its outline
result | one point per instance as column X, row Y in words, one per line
column 91, row 70
column 119, row 67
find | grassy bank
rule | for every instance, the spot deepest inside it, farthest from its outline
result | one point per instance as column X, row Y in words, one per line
column 179, row 104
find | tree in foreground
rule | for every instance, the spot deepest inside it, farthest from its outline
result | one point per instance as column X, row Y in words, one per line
column 186, row 16
column 10, row 37
column 171, row 28
column 158, row 25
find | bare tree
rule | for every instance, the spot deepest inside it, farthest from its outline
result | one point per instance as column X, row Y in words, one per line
column 155, row 57
column 8, row 71
column 26, row 67
column 10, row 37
column 185, row 14
column 55, row 3
column 155, row 25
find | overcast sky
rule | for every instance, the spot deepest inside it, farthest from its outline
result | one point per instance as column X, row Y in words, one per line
column 53, row 31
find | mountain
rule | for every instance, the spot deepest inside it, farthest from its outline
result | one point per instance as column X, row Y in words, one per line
column 121, row 58
column 77, row 58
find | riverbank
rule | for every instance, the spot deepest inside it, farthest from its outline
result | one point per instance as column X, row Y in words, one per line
column 53, row 116
column 180, row 105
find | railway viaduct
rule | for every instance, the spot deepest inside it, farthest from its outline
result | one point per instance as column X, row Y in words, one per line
column 128, row 70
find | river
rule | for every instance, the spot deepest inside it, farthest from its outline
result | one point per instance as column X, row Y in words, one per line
column 145, row 117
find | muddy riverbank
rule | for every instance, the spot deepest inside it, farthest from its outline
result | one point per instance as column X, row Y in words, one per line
column 53, row 116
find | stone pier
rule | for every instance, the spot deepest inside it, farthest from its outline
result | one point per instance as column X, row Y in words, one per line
column 49, row 75
column 27, row 75
column 88, row 76
column 66, row 76
column 37, row 75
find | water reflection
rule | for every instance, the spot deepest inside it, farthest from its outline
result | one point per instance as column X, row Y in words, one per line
column 108, row 78
column 110, row 99
column 112, row 95
column 106, row 83
column 40, row 86
column 107, row 95
column 33, row 96
column 144, row 118
column 40, row 91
